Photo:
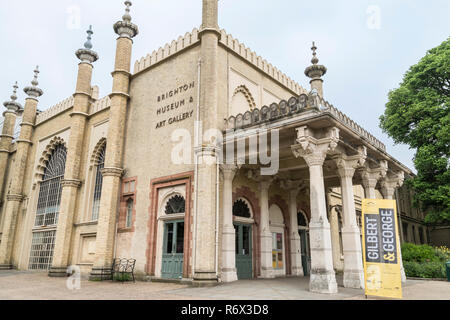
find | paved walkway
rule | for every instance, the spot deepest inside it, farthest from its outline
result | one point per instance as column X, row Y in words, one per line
column 16, row 285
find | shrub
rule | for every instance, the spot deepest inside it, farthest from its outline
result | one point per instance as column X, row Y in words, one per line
column 122, row 277
column 443, row 253
column 419, row 253
column 425, row 270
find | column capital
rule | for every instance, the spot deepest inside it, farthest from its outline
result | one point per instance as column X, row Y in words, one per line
column 369, row 175
column 391, row 182
column 71, row 183
column 293, row 186
column 313, row 150
column 112, row 172
column 15, row 197
column 264, row 181
column 229, row 171
column 347, row 165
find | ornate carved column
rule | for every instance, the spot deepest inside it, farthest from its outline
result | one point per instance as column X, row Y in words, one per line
column 294, row 188
column 72, row 183
column 351, row 234
column 229, row 272
column 113, row 170
column 389, row 184
column 265, row 234
column 335, row 238
column 9, row 123
column 15, row 196
column 314, row 151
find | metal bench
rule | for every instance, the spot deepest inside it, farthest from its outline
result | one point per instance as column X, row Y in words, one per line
column 123, row 270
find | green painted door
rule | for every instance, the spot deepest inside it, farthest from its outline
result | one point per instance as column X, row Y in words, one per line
column 173, row 250
column 306, row 260
column 244, row 259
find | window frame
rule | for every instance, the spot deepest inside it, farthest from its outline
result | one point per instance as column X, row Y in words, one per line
column 98, row 167
column 125, row 197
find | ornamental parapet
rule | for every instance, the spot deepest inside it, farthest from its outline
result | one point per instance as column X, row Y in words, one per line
column 294, row 106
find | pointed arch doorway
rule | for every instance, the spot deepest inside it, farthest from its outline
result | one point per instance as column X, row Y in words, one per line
column 173, row 244
column 243, row 225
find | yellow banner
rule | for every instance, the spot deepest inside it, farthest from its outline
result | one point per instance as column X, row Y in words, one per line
column 381, row 248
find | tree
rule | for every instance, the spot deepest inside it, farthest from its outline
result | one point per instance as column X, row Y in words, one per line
column 418, row 115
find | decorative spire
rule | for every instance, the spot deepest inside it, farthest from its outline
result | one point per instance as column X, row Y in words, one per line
column 125, row 28
column 127, row 17
column 315, row 72
column 34, row 91
column 13, row 105
column 314, row 60
column 14, row 95
column 87, row 54
column 88, row 43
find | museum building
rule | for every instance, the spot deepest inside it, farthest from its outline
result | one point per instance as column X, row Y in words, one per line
column 92, row 179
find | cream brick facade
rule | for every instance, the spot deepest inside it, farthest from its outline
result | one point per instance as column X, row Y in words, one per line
column 205, row 76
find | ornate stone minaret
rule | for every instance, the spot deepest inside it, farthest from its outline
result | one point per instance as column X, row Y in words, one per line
column 9, row 123
column 205, row 259
column 315, row 72
column 113, row 170
column 71, row 182
column 15, row 195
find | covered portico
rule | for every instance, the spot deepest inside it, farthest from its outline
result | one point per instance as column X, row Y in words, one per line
column 318, row 148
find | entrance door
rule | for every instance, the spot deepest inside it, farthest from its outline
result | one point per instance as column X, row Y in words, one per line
column 306, row 259
column 244, row 263
column 173, row 250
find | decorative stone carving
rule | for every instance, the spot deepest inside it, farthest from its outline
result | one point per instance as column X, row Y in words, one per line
column 314, row 150
column 112, row 172
column 391, row 182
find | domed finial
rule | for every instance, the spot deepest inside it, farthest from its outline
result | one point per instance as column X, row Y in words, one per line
column 13, row 105
column 34, row 91
column 127, row 17
column 315, row 72
column 86, row 54
column 125, row 28
column 88, row 43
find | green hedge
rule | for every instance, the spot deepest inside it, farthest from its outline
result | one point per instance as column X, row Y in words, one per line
column 424, row 261
column 419, row 253
column 425, row 270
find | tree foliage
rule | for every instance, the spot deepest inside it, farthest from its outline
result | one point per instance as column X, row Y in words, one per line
column 417, row 114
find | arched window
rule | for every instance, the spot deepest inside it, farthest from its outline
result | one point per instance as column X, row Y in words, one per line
column 129, row 220
column 241, row 209
column 302, row 220
column 175, row 205
column 98, row 184
column 50, row 190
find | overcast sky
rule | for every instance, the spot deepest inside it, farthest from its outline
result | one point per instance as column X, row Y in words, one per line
column 367, row 46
